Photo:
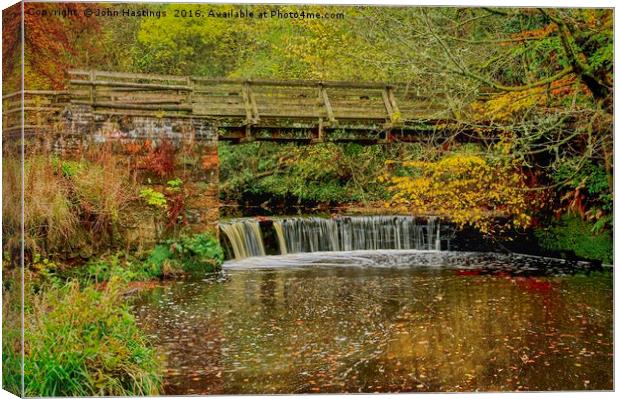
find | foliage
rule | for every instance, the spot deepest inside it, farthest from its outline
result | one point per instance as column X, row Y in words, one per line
column 52, row 42
column 11, row 329
column 159, row 159
column 84, row 343
column 153, row 198
column 68, row 168
column 198, row 253
column 327, row 173
column 176, row 198
column 466, row 189
column 72, row 208
column 267, row 47
column 113, row 267
column 572, row 234
column 172, row 200
column 585, row 190
column 180, row 45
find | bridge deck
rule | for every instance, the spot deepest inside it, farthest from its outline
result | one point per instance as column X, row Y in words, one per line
column 245, row 109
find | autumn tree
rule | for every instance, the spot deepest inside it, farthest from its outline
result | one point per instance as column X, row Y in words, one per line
column 51, row 41
column 541, row 77
column 466, row 189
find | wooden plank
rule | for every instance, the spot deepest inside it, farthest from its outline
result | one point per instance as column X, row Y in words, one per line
column 357, row 114
column 302, row 83
column 148, row 76
column 150, row 113
column 272, row 91
column 288, row 108
column 247, row 104
column 142, row 96
column 91, row 78
column 217, row 81
column 283, row 114
column 314, row 103
column 143, row 100
column 116, row 105
column 358, row 96
column 387, row 104
column 298, row 83
column 282, row 95
column 131, row 85
column 220, row 104
column 199, row 110
column 327, row 104
column 217, row 96
column 256, row 116
column 392, row 99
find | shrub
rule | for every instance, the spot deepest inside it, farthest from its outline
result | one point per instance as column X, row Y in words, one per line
column 102, row 193
column 172, row 201
column 86, row 343
column 573, row 234
column 198, row 253
column 464, row 188
column 98, row 270
column 50, row 221
column 126, row 270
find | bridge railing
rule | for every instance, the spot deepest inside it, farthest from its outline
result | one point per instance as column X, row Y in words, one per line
column 238, row 107
column 251, row 102
column 40, row 109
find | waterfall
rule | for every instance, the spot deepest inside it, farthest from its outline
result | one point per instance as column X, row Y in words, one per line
column 277, row 226
column 245, row 238
column 344, row 233
column 357, row 233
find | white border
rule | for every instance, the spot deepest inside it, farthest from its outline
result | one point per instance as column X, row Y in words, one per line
column 518, row 3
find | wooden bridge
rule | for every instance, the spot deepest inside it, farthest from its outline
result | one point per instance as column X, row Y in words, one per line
column 243, row 110
column 143, row 119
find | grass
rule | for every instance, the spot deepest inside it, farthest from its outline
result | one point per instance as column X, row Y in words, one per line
column 83, row 342
column 71, row 207
column 11, row 332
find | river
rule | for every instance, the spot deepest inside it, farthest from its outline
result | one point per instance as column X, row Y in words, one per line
column 384, row 321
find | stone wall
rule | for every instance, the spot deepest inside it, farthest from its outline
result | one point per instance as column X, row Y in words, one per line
column 127, row 137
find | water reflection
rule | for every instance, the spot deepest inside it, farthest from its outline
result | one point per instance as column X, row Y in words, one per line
column 373, row 329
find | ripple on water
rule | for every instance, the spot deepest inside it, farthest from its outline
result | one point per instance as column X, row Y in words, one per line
column 385, row 321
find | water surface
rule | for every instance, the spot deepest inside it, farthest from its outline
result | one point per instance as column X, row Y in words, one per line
column 385, row 321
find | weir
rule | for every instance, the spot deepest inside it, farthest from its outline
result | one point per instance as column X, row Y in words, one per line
column 244, row 237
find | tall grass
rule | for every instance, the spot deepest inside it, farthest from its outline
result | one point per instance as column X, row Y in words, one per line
column 11, row 331
column 70, row 207
column 103, row 192
column 84, row 342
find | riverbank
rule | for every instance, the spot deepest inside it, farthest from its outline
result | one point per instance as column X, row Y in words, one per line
column 81, row 337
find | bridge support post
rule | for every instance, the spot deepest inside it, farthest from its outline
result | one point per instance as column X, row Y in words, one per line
column 202, row 178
